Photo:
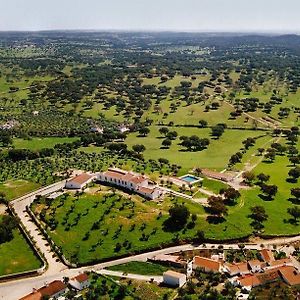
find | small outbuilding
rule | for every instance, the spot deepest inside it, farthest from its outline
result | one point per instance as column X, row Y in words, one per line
column 80, row 282
column 175, row 279
column 80, row 181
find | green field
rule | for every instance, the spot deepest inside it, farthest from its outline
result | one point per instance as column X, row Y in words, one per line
column 73, row 224
column 17, row 256
column 216, row 156
column 142, row 268
column 112, row 213
column 17, row 188
column 40, row 143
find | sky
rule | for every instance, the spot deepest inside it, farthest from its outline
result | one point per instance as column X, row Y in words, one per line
column 157, row 15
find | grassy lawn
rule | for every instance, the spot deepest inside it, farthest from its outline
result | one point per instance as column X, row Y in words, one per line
column 116, row 217
column 106, row 288
column 216, row 156
column 120, row 221
column 142, row 268
column 277, row 209
column 40, row 143
column 17, row 188
column 213, row 185
column 18, row 256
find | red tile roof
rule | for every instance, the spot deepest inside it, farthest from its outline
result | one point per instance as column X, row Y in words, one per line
column 238, row 268
column 290, row 275
column 81, row 277
column 52, row 288
column 203, row 262
column 280, row 262
column 32, row 296
column 113, row 174
column 146, row 190
column 82, row 178
column 250, row 280
column 138, row 179
column 255, row 262
column 267, row 255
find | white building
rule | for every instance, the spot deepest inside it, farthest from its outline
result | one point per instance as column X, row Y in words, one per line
column 80, row 282
column 133, row 182
column 174, row 278
column 80, row 181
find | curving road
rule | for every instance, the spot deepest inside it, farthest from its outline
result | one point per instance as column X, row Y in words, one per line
column 16, row 288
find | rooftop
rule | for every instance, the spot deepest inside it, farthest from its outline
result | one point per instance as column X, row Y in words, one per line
column 204, row 262
column 81, row 277
column 52, row 288
column 174, row 274
column 82, row 178
column 250, row 280
column 290, row 275
column 267, row 255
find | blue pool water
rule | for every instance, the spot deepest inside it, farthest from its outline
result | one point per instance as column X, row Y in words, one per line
column 189, row 178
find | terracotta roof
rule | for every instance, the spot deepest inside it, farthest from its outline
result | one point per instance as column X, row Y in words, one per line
column 233, row 269
column 32, row 296
column 250, row 280
column 81, row 277
column 243, row 267
column 254, row 262
column 203, row 262
column 290, row 275
column 280, row 262
column 237, row 268
column 174, row 274
column 128, row 177
column 113, row 174
column 268, row 276
column 82, row 178
column 146, row 190
column 216, row 175
column 267, row 255
column 52, row 288
column 138, row 179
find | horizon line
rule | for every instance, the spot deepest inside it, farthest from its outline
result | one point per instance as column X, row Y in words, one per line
column 207, row 31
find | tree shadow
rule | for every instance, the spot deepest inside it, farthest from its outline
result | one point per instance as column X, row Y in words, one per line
column 215, row 219
column 292, row 221
column 170, row 226
column 291, row 180
column 294, row 201
column 265, row 197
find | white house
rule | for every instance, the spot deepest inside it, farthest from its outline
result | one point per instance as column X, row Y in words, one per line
column 53, row 290
column 131, row 181
column 149, row 192
column 248, row 282
column 256, row 265
column 174, row 278
column 207, row 264
column 80, row 181
column 80, row 282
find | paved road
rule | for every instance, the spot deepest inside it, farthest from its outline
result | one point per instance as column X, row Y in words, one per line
column 20, row 208
column 15, row 289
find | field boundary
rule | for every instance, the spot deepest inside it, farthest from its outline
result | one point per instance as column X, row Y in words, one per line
column 35, row 250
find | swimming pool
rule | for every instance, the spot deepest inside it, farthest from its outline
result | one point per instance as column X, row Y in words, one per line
column 190, row 178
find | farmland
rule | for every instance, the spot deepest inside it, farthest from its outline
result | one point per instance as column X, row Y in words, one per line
column 160, row 106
